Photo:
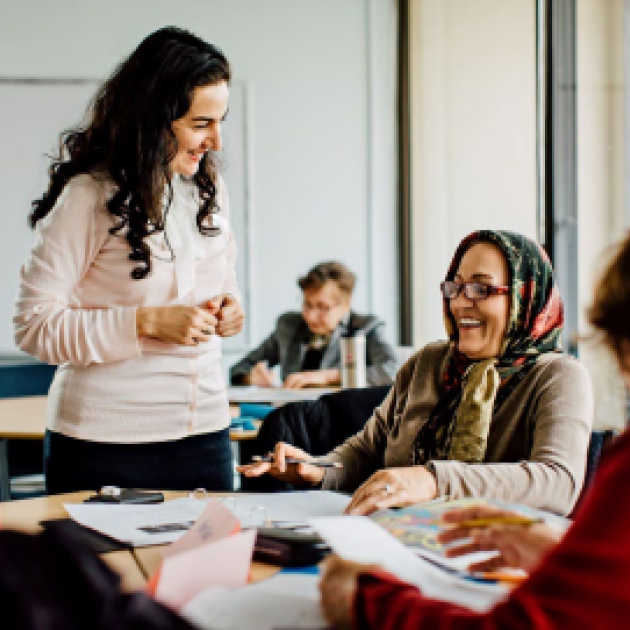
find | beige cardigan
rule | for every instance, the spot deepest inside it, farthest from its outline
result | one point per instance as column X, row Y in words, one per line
column 77, row 309
column 537, row 444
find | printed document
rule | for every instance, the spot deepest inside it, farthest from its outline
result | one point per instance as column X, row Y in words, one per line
column 360, row 539
column 139, row 525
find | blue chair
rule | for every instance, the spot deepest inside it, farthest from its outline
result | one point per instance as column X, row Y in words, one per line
column 600, row 439
column 253, row 410
column 248, row 413
column 22, row 376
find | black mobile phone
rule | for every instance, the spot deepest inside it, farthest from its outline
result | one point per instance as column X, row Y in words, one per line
column 127, row 495
column 288, row 548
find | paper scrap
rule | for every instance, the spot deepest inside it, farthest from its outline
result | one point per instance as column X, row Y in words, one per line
column 359, row 539
column 224, row 562
column 214, row 523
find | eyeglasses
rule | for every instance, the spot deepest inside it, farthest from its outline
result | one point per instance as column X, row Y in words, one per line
column 473, row 291
column 323, row 309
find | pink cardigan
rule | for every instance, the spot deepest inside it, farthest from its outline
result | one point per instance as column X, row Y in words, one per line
column 77, row 309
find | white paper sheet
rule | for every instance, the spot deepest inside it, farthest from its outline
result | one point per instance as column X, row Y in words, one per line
column 285, row 508
column 360, row 539
column 224, row 563
column 282, row 601
column 275, row 395
column 163, row 522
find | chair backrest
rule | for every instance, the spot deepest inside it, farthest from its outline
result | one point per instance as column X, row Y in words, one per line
column 25, row 378
column 600, row 438
column 314, row 426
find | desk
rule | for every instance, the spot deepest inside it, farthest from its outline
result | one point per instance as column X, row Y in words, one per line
column 26, row 515
column 276, row 396
column 135, row 567
column 25, row 418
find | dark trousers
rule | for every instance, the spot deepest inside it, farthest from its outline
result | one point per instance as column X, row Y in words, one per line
column 199, row 461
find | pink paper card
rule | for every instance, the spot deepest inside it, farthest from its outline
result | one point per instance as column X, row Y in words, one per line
column 214, row 523
column 224, row 562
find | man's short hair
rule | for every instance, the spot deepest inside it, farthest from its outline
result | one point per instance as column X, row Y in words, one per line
column 319, row 275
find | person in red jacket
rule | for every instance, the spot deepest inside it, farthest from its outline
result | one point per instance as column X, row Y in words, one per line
column 581, row 581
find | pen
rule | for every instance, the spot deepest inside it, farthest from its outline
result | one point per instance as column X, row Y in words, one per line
column 510, row 578
column 293, row 460
column 471, row 577
column 484, row 522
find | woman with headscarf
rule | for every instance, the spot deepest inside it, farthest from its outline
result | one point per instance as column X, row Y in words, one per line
column 579, row 579
column 497, row 411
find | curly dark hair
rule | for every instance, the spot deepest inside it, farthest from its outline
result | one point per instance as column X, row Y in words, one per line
column 128, row 137
column 608, row 313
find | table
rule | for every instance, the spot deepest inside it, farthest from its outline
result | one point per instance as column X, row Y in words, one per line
column 276, row 396
column 135, row 567
column 25, row 418
column 26, row 515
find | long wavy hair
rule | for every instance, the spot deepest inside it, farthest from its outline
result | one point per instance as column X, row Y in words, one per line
column 128, row 137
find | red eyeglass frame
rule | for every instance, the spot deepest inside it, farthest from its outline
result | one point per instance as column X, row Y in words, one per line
column 490, row 288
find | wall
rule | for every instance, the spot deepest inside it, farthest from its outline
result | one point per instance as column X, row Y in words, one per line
column 320, row 77
column 601, row 188
column 473, row 134
column 474, row 151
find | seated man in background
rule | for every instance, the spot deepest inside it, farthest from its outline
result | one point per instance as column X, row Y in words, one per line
column 307, row 344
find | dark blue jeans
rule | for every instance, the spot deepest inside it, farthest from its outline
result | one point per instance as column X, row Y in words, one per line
column 199, row 461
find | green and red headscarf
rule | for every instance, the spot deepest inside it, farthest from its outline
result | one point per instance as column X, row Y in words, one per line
column 459, row 424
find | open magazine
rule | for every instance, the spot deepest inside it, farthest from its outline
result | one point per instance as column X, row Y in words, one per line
column 415, row 526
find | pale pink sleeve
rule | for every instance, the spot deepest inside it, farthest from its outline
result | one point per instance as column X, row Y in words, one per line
column 230, row 285
column 67, row 241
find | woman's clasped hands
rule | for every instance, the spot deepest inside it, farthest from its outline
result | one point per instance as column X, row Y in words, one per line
column 191, row 325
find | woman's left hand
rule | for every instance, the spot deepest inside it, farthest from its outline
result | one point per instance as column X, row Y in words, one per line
column 316, row 378
column 228, row 311
column 338, row 589
column 393, row 487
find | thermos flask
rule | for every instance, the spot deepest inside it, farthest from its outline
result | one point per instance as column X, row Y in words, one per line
column 353, row 373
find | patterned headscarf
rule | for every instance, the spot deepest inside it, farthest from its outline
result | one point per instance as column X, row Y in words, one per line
column 473, row 391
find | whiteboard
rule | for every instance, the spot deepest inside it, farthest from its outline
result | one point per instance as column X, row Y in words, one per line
column 32, row 115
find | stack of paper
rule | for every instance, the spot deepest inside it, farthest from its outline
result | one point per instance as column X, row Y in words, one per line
column 359, row 539
column 139, row 525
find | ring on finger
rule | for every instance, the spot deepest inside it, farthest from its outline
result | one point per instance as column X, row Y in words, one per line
column 207, row 331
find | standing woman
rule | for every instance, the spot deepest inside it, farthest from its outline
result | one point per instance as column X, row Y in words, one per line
column 131, row 280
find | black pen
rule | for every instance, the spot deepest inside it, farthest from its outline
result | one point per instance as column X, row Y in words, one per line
column 293, row 460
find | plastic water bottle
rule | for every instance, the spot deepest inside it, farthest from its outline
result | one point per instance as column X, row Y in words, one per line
column 353, row 369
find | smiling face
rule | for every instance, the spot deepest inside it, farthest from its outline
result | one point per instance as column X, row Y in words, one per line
column 200, row 129
column 482, row 324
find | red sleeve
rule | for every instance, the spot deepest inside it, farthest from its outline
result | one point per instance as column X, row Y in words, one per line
column 583, row 583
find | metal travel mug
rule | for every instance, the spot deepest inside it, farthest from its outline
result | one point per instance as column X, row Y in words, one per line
column 353, row 371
